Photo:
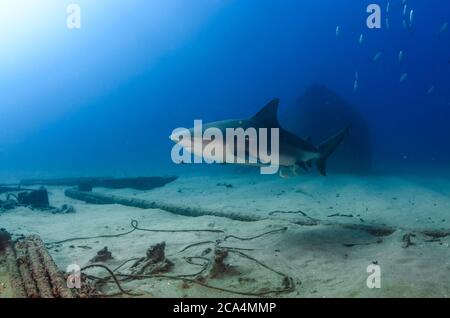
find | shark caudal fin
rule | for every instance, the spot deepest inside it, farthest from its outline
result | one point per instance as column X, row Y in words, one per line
column 327, row 147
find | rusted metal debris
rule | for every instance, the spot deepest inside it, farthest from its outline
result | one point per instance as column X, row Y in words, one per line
column 99, row 198
column 139, row 183
column 155, row 261
column 32, row 271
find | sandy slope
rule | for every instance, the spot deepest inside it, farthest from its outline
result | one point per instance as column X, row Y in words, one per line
column 315, row 256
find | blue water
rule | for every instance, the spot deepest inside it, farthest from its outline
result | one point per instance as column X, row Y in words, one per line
column 103, row 99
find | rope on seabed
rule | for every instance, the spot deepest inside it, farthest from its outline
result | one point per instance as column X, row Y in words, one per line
column 135, row 227
column 196, row 244
column 288, row 282
column 289, row 288
column 113, row 276
column 256, row 236
column 283, row 229
column 127, row 261
column 189, row 259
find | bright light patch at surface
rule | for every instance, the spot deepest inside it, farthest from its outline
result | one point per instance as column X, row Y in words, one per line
column 48, row 70
column 25, row 25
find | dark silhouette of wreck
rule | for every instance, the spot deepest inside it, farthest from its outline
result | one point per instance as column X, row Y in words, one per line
column 319, row 114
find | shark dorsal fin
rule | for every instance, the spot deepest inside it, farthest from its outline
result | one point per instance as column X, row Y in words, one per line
column 268, row 115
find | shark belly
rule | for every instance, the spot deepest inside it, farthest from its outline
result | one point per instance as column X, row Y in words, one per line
column 287, row 160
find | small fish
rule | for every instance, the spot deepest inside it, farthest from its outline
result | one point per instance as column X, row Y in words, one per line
column 400, row 56
column 430, row 90
column 388, row 6
column 405, row 8
column 403, row 77
column 361, row 38
column 355, row 85
column 338, row 31
column 444, row 27
column 411, row 17
column 377, row 56
column 387, row 24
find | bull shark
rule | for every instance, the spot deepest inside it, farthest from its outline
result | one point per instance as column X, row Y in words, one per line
column 293, row 151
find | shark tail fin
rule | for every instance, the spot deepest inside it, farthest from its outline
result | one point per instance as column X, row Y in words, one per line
column 327, row 147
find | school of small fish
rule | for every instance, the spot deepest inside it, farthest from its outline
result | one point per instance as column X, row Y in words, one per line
column 400, row 56
column 408, row 23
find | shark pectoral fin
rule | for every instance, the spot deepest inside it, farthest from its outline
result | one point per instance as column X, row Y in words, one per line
column 295, row 170
column 288, row 172
column 302, row 164
column 283, row 173
column 322, row 166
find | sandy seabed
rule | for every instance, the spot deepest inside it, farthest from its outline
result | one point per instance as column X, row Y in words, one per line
column 325, row 260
